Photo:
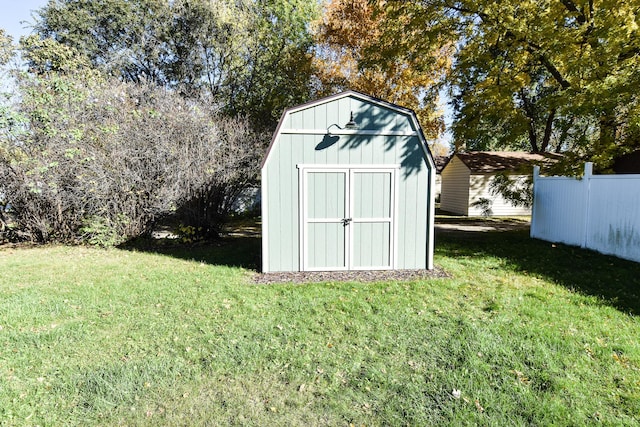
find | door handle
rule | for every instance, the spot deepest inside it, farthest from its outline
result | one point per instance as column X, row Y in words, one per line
column 346, row 221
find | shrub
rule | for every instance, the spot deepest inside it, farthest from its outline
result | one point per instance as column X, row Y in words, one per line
column 100, row 161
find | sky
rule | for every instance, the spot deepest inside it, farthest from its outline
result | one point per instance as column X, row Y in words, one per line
column 13, row 12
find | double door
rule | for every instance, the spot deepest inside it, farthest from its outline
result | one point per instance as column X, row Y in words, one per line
column 348, row 218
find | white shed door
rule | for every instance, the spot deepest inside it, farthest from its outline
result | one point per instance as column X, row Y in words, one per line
column 347, row 217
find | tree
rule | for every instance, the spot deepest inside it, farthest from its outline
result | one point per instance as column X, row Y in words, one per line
column 352, row 52
column 6, row 47
column 556, row 74
column 47, row 55
column 6, row 54
column 247, row 57
column 121, row 37
column 241, row 62
column 279, row 65
column 504, row 114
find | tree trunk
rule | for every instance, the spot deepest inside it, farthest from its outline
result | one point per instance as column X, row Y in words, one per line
column 607, row 140
column 533, row 137
column 548, row 128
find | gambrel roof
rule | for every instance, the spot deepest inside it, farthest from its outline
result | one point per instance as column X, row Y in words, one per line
column 409, row 113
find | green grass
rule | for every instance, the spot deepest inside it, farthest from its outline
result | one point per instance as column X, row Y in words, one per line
column 528, row 332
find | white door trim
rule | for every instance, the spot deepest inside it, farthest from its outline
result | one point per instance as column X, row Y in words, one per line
column 349, row 173
column 303, row 173
column 391, row 220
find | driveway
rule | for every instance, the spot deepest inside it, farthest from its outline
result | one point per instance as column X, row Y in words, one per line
column 463, row 224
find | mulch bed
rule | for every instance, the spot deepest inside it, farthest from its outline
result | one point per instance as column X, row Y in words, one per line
column 348, row 276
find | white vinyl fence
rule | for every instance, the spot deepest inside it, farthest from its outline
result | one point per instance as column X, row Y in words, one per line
column 598, row 212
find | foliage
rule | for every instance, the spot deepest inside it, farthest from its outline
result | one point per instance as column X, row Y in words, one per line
column 250, row 58
column 187, row 233
column 101, row 231
column 523, row 333
column 6, row 47
column 48, row 55
column 540, row 75
column 221, row 176
column 99, row 160
column 353, row 53
column 126, row 38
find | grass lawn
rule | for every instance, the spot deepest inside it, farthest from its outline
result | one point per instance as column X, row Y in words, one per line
column 523, row 333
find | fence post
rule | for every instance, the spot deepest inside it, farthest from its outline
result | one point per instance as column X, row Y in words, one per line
column 588, row 173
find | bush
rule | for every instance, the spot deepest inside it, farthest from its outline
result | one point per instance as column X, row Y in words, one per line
column 100, row 161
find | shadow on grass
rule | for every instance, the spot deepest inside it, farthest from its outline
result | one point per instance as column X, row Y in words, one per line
column 240, row 246
column 232, row 251
column 615, row 280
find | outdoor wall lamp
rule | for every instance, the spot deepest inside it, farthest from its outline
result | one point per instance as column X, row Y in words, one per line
column 350, row 125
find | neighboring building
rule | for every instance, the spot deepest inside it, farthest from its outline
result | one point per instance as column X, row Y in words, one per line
column 354, row 196
column 467, row 177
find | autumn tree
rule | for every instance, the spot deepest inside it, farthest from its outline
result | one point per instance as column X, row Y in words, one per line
column 541, row 75
column 353, row 52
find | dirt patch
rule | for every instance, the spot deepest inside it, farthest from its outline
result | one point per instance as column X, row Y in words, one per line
column 349, row 276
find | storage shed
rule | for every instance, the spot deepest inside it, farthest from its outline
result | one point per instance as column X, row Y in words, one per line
column 347, row 184
column 467, row 177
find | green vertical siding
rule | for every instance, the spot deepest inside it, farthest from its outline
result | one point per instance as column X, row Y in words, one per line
column 368, row 116
column 326, row 194
column 282, row 190
column 371, row 198
column 372, row 245
column 412, row 243
column 326, row 248
column 373, row 195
